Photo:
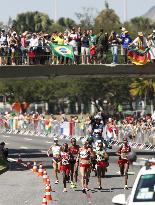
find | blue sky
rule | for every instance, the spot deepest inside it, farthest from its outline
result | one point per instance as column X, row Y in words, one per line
column 67, row 8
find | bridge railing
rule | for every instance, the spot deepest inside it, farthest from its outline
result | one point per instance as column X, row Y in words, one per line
column 38, row 55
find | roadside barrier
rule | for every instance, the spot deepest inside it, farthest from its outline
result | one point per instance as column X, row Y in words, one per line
column 34, row 169
column 142, row 139
column 44, row 202
column 40, row 170
column 44, row 176
column 48, row 196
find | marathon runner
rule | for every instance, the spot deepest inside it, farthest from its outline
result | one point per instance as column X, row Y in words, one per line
column 102, row 162
column 56, row 157
column 65, row 164
column 84, row 155
column 74, row 150
column 123, row 161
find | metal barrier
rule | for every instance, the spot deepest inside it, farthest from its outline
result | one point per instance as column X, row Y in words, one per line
column 38, row 55
column 143, row 138
column 43, row 127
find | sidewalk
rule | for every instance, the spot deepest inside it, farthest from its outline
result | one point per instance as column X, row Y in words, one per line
column 21, row 186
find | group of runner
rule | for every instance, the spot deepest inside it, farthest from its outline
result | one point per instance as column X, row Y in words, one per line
column 68, row 159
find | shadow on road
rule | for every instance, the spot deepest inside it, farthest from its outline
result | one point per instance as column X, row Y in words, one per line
column 15, row 166
column 27, row 153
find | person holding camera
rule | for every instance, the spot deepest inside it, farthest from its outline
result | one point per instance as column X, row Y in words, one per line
column 151, row 42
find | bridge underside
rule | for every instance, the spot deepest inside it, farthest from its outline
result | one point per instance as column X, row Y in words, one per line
column 75, row 71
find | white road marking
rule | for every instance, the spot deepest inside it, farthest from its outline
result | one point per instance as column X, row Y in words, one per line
column 48, row 142
column 129, row 173
column 23, row 147
column 43, row 151
column 6, row 136
column 28, row 139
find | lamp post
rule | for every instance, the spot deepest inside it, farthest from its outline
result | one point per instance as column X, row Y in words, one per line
column 55, row 10
column 125, row 10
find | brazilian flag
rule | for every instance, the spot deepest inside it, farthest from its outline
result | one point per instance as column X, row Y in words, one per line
column 65, row 51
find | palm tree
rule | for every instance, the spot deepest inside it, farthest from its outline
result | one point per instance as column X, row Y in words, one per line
column 144, row 89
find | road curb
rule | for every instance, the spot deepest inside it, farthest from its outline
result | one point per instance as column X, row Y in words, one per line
column 5, row 169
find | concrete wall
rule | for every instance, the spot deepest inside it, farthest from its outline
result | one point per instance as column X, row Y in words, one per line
column 70, row 71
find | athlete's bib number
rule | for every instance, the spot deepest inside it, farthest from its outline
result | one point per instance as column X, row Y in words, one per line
column 65, row 162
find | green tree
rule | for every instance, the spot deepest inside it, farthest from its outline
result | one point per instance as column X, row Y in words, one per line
column 141, row 24
column 144, row 89
column 32, row 21
column 66, row 22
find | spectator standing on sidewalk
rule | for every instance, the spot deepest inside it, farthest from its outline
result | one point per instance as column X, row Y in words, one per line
column 73, row 41
column 125, row 41
column 85, row 51
column 3, row 47
column 79, row 33
column 14, row 46
column 151, row 42
column 23, row 42
column 113, row 40
column 99, row 46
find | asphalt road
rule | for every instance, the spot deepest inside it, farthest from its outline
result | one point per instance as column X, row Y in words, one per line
column 20, row 186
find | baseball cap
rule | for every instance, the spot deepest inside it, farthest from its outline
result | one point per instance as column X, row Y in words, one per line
column 55, row 139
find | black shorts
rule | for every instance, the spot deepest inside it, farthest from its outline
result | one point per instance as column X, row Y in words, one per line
column 55, row 159
column 100, row 170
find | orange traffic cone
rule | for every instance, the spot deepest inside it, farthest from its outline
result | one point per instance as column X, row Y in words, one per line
column 48, row 188
column 48, row 181
column 45, row 177
column 34, row 169
column 44, row 202
column 48, row 196
column 19, row 159
column 28, row 165
column 40, row 170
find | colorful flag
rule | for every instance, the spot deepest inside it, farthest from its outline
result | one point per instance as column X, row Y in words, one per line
column 139, row 57
column 67, row 128
column 66, row 51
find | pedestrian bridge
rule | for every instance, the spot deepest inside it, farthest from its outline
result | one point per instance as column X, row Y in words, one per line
column 75, row 71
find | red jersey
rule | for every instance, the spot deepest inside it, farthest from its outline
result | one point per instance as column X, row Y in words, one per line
column 74, row 150
column 65, row 157
column 124, row 150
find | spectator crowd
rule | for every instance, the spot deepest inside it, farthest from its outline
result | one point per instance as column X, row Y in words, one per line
column 88, row 47
column 136, row 129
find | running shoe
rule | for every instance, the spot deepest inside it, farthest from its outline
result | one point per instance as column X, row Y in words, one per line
column 72, row 185
column 75, row 185
column 57, row 181
column 64, row 190
column 83, row 190
column 86, row 189
column 100, row 188
column 126, row 187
